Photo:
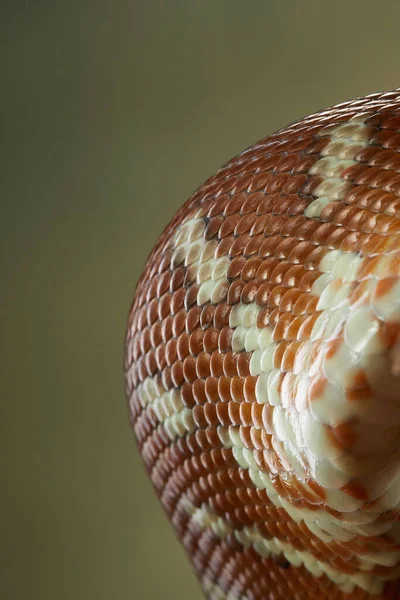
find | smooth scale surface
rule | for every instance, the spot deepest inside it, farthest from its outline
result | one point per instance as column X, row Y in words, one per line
column 263, row 363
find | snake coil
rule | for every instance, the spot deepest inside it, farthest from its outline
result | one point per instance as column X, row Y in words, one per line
column 262, row 363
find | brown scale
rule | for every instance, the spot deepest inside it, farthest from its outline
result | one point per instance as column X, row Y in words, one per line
column 253, row 215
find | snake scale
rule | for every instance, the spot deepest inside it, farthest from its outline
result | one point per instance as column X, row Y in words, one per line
column 262, row 363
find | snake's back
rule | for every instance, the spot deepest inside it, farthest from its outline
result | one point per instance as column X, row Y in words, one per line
column 263, row 360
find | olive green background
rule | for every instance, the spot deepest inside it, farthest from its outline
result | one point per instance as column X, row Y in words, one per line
column 112, row 114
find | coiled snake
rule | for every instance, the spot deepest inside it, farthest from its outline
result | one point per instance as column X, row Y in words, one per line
column 262, row 363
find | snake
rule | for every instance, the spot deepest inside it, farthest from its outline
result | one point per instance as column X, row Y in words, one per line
column 262, row 363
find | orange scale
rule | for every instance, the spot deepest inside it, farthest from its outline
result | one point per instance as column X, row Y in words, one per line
column 385, row 225
column 266, row 204
column 191, row 296
column 344, row 216
column 253, row 245
column 167, row 328
column 223, row 413
column 207, row 316
column 352, row 172
column 294, row 205
column 235, row 203
column 151, row 365
column 250, row 268
column 265, row 269
column 389, row 334
column 360, row 293
column 250, row 388
column 275, row 296
column 141, row 368
column 257, row 183
column 286, row 248
column 263, row 293
column 162, row 286
column 251, row 513
column 278, row 354
column 178, row 300
column 306, row 327
column 294, row 324
column 243, row 364
column 300, row 303
column 272, row 462
column 211, row 389
column 238, row 246
column 289, row 356
column 233, row 412
column 235, row 292
column 225, row 339
column 245, row 224
column 224, row 479
column 156, row 334
column 213, row 437
column 210, row 340
column 230, row 364
column 243, row 496
column 223, row 458
column 245, row 435
column 353, row 241
column 317, row 489
column 394, row 265
column 281, row 328
column 152, row 312
column 311, row 307
column 176, row 373
column 216, row 364
column 228, row 225
column 199, row 391
column 189, row 369
column 307, row 229
column 376, row 245
column 293, row 276
column 235, row 267
column 260, row 225
column 356, row 490
column 183, row 346
column 293, row 493
column 187, row 395
column 178, row 323
column 256, row 438
column 269, row 246
column 196, row 342
column 307, row 280
column 236, row 388
column 203, row 365
column 145, row 341
column 257, row 419
column 313, row 260
column 151, row 292
column 383, row 287
column 263, row 317
column 215, row 484
column 325, row 230
column 249, row 292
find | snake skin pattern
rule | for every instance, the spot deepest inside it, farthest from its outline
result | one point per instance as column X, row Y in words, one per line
column 262, row 363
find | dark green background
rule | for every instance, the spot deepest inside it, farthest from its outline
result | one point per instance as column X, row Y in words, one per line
column 112, row 113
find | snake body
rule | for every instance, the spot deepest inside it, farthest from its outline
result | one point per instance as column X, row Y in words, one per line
column 263, row 358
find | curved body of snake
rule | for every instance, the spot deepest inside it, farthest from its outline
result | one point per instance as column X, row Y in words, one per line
column 263, row 360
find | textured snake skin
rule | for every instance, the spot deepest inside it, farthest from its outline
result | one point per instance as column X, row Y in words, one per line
column 263, row 363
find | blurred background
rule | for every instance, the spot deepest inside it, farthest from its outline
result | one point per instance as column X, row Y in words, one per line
column 112, row 114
